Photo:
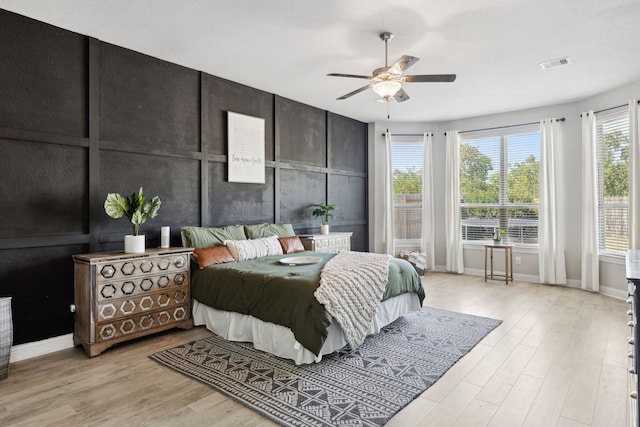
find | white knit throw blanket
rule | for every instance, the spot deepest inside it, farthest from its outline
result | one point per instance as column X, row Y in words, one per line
column 351, row 287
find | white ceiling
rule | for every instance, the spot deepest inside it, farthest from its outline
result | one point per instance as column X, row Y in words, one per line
column 287, row 47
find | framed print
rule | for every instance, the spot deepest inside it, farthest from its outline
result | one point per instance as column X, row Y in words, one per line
column 246, row 146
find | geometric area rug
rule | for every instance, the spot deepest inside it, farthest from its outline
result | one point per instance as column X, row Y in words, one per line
column 365, row 386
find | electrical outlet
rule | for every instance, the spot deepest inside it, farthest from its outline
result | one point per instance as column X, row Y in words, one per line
column 518, row 260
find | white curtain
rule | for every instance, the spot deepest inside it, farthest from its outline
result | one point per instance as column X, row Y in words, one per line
column 389, row 245
column 550, row 230
column 428, row 227
column 454, row 261
column 590, row 260
column 634, row 175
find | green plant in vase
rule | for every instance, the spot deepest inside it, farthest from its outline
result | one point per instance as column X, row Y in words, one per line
column 323, row 211
column 137, row 209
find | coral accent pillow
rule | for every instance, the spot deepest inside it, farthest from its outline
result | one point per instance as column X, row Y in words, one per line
column 254, row 248
column 291, row 245
column 212, row 255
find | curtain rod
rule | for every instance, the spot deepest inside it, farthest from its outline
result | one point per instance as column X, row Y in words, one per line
column 405, row 134
column 608, row 109
column 561, row 119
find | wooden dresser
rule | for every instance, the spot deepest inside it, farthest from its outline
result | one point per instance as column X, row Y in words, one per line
column 332, row 242
column 121, row 296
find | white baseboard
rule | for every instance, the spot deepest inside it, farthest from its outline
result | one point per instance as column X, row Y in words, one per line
column 40, row 348
column 572, row 283
column 523, row 277
column 614, row 293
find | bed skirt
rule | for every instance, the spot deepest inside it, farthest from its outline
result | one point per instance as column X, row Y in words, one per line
column 279, row 340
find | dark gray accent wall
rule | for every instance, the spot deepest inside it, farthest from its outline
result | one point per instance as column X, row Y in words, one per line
column 44, row 77
column 301, row 133
column 146, row 101
column 80, row 118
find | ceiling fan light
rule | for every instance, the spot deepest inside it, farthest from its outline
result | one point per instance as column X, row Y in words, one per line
column 387, row 88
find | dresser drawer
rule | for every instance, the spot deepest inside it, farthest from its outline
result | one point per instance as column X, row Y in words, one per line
column 139, row 285
column 118, row 269
column 123, row 307
column 141, row 324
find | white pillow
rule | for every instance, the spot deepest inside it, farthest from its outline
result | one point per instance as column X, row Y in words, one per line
column 254, row 248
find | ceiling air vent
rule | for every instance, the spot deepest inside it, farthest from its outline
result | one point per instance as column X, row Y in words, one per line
column 555, row 63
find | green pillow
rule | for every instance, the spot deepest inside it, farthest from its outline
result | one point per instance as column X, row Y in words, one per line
column 203, row 237
column 257, row 231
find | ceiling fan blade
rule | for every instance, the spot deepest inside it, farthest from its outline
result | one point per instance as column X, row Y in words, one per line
column 401, row 96
column 355, row 76
column 355, row 92
column 402, row 64
column 433, row 78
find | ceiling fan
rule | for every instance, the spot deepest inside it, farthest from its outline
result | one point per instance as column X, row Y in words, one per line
column 387, row 81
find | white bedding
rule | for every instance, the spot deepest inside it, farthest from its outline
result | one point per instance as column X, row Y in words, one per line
column 279, row 340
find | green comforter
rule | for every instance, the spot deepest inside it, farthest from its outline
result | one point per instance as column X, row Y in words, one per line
column 283, row 294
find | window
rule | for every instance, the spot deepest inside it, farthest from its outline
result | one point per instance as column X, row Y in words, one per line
column 612, row 151
column 407, row 165
column 499, row 177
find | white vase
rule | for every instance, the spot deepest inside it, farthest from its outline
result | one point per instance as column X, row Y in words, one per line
column 324, row 229
column 134, row 244
column 165, row 236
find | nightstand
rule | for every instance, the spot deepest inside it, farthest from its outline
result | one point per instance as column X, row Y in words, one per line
column 120, row 296
column 332, row 242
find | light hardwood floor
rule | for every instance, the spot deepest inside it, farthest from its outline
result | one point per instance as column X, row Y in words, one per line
column 558, row 359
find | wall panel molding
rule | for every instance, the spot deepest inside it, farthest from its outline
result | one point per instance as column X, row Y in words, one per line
column 125, row 147
column 44, row 241
column 34, row 136
column 95, row 202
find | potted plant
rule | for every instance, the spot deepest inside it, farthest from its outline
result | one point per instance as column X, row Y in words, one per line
column 497, row 236
column 138, row 209
column 323, row 211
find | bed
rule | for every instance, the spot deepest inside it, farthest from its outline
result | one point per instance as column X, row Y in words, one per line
column 244, row 289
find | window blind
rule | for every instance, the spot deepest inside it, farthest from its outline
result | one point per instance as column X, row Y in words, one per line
column 407, row 164
column 612, row 151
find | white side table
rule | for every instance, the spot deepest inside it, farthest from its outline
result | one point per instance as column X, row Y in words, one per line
column 332, row 242
column 508, row 262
